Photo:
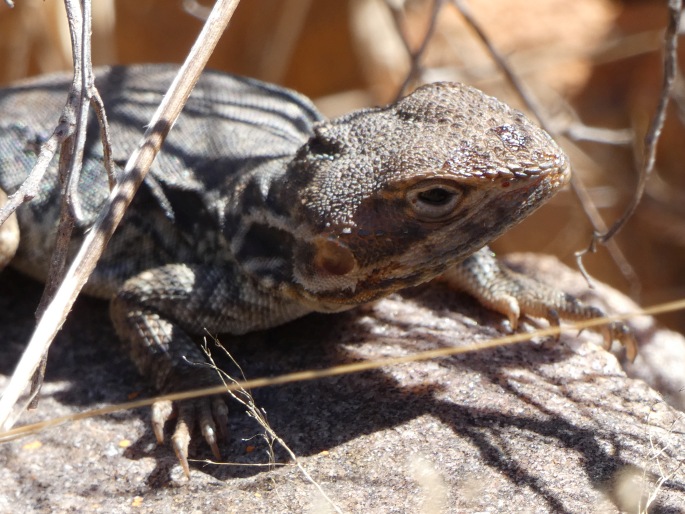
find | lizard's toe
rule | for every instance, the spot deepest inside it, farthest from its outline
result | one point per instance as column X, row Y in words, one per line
column 553, row 306
column 508, row 306
column 207, row 425
column 619, row 331
column 162, row 411
column 210, row 414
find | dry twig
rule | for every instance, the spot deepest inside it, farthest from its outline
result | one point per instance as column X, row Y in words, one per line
column 344, row 369
column 418, row 54
column 675, row 8
column 119, row 199
column 69, row 136
column 243, row 396
column 536, row 109
column 601, row 234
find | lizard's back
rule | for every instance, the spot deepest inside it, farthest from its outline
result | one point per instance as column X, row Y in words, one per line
column 232, row 138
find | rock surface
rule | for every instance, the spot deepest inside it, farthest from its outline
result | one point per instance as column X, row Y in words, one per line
column 535, row 427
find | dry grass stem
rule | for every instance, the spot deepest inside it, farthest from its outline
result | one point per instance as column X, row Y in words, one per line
column 345, row 369
column 242, row 395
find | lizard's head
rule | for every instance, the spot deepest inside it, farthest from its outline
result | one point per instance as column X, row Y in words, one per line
column 388, row 198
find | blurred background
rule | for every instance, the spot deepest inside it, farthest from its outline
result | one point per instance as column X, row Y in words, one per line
column 589, row 63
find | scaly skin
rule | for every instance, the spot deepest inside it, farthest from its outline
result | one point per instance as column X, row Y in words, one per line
column 259, row 211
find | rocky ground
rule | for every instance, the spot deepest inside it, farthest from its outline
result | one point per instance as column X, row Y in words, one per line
column 536, row 427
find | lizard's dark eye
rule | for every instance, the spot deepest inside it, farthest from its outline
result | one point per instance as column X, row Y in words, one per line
column 434, row 203
column 436, row 196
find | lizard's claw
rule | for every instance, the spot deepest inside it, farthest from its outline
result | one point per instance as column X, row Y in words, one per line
column 181, row 438
column 613, row 331
column 211, row 414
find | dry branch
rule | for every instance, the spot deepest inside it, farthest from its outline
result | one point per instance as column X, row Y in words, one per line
column 675, row 8
column 536, row 109
column 120, row 197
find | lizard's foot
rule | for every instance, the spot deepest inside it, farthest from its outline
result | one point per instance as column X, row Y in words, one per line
column 515, row 296
column 210, row 414
column 155, row 312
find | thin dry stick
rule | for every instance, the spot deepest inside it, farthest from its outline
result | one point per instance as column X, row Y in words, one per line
column 344, row 369
column 69, row 121
column 68, row 124
column 663, row 475
column 675, row 8
column 70, row 162
column 259, row 416
column 71, row 142
column 418, row 54
column 534, row 107
column 63, row 136
column 99, row 109
column 601, row 235
column 82, row 93
column 83, row 80
column 593, row 214
column 119, row 199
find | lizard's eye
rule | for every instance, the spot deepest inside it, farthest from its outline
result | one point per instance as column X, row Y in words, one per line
column 435, row 202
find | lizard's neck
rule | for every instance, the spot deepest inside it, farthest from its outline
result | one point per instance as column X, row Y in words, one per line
column 278, row 247
column 259, row 225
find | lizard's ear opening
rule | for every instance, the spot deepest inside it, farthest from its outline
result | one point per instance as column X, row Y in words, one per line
column 333, row 257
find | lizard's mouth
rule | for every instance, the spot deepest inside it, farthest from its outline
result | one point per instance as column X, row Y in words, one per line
column 523, row 196
column 562, row 172
column 556, row 172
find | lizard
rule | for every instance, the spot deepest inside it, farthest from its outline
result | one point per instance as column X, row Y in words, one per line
column 259, row 211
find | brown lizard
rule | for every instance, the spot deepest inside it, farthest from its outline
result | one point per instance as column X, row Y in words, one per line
column 259, row 211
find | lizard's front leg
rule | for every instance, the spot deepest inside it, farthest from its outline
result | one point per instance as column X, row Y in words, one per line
column 157, row 311
column 514, row 295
